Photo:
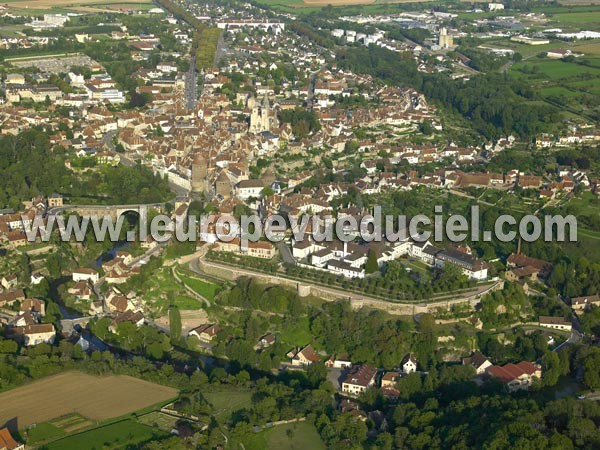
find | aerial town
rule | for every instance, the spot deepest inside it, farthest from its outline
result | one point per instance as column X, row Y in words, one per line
column 465, row 331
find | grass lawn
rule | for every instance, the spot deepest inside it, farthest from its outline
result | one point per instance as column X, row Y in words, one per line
column 577, row 18
column 554, row 69
column 299, row 436
column 158, row 420
column 226, row 402
column 163, row 286
column 292, row 436
column 298, row 333
column 114, row 436
column 43, row 432
column 206, row 289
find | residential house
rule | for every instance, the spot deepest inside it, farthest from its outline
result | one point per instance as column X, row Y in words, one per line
column 9, row 281
column 34, row 306
column 246, row 189
column 518, row 376
column 86, row 274
column 304, row 357
column 519, row 261
column 35, row 334
column 581, row 304
column 389, row 383
column 55, row 200
column 260, row 249
column 556, row 323
column 205, row 332
column 478, row 361
column 359, row 379
column 8, row 298
column 408, row 364
column 7, row 442
column 267, row 340
column 82, row 290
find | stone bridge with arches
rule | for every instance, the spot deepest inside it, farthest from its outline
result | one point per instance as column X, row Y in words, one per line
column 101, row 211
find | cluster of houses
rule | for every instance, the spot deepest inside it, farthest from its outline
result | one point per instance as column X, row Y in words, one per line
column 22, row 319
column 357, row 378
column 349, row 259
column 515, row 377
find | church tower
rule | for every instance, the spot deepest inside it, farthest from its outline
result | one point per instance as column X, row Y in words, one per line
column 263, row 117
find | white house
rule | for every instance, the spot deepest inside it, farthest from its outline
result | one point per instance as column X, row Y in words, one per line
column 30, row 335
column 249, row 188
column 479, row 362
column 409, row 364
column 86, row 274
column 556, row 323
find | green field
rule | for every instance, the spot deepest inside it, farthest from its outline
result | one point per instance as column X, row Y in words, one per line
column 206, row 289
column 292, row 436
column 568, row 85
column 43, row 432
column 163, row 288
column 227, row 401
column 119, row 435
column 555, row 69
column 297, row 333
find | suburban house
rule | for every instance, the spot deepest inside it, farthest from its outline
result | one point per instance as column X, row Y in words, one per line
column 85, row 274
column 7, row 442
column 557, row 323
column 581, row 304
column 540, row 267
column 260, row 249
column 34, row 306
column 479, row 362
column 304, row 357
column 389, row 382
column 408, row 364
column 81, row 290
column 518, row 376
column 55, row 200
column 266, row 341
column 9, row 281
column 359, row 379
column 136, row 318
column 17, row 238
column 246, row 189
column 8, row 298
column 33, row 334
column 205, row 332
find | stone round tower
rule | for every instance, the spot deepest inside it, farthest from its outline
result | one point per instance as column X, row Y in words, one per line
column 200, row 174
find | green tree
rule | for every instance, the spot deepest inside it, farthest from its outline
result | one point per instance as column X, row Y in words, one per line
column 175, row 323
column 371, row 266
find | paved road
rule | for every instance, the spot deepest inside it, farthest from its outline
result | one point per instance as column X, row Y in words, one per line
column 285, row 252
column 191, row 85
column 311, row 90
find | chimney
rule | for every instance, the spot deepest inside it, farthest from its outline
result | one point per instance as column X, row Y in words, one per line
column 519, row 246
